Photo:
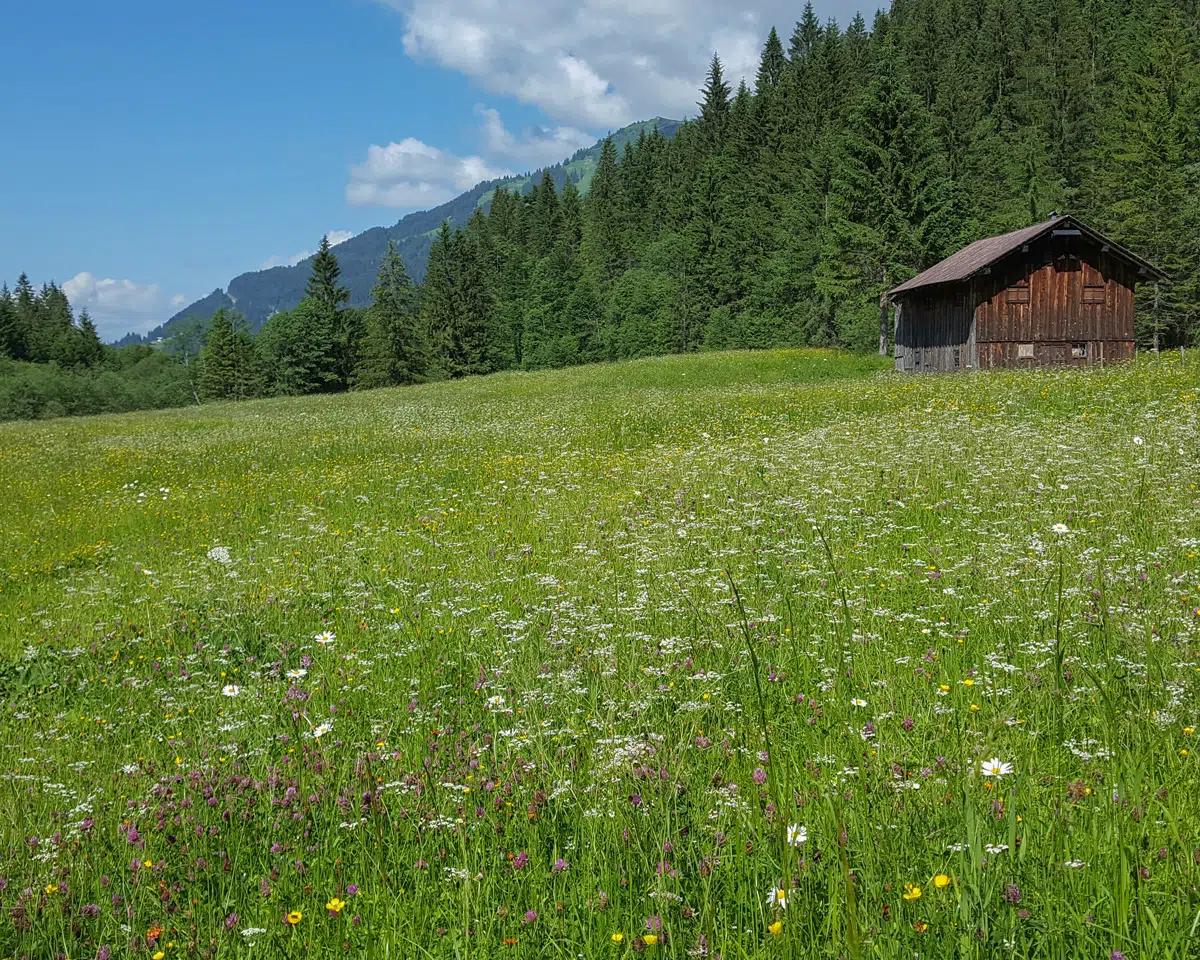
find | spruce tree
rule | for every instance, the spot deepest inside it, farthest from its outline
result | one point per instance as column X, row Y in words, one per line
column 218, row 360
column 9, row 331
column 890, row 205
column 328, row 298
column 714, row 105
column 805, row 36
column 604, row 243
column 395, row 348
column 771, row 64
column 91, row 349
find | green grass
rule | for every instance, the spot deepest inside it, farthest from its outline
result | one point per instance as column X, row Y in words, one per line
column 539, row 656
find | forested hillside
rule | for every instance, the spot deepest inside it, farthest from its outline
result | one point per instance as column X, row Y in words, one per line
column 861, row 157
column 259, row 293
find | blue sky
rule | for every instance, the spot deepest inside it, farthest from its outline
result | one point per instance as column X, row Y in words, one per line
column 154, row 151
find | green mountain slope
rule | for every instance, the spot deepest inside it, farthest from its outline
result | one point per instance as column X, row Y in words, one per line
column 258, row 294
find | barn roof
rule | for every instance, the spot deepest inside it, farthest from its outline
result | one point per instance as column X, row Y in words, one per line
column 983, row 253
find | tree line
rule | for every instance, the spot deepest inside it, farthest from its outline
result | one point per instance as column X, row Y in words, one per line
column 53, row 363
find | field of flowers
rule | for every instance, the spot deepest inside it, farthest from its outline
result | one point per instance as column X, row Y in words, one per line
column 744, row 655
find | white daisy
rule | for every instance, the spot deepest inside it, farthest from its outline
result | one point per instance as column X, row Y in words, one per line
column 297, row 674
column 325, row 638
column 995, row 767
column 231, row 689
column 858, row 702
column 778, row 897
column 321, row 729
column 1061, row 528
column 797, row 834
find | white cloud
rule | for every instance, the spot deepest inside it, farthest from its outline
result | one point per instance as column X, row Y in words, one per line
column 536, row 147
column 119, row 306
column 412, row 174
column 335, row 237
column 595, row 63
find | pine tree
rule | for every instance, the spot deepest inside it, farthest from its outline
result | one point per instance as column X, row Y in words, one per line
column 91, row 349
column 603, row 245
column 1147, row 177
column 10, row 343
column 714, row 105
column 438, row 300
column 805, row 36
column 543, row 217
column 328, row 297
column 294, row 346
column 218, row 361
column 771, row 64
column 24, row 318
column 890, row 205
column 395, row 347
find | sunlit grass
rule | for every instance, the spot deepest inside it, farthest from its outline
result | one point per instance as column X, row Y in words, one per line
column 466, row 660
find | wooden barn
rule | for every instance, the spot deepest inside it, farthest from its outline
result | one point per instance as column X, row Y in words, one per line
column 1055, row 293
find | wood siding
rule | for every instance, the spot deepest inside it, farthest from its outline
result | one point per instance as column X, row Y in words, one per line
column 935, row 330
column 1062, row 300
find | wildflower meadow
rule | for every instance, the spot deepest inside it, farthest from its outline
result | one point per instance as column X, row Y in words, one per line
column 740, row 655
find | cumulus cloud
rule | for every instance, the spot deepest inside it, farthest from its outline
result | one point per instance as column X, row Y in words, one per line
column 335, row 237
column 596, row 63
column 535, row 147
column 413, row 174
column 119, row 306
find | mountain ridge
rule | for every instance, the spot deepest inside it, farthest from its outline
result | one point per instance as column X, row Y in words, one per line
column 256, row 294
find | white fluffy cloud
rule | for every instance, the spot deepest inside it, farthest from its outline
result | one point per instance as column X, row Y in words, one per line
column 335, row 237
column 596, row 63
column 414, row 174
column 534, row 148
column 119, row 306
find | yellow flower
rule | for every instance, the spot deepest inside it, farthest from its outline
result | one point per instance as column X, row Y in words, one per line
column 941, row 881
column 617, row 937
column 147, row 864
column 1188, row 731
column 158, row 955
column 335, row 905
column 294, row 918
column 920, row 926
column 649, row 939
column 969, row 682
column 52, row 888
column 912, row 892
column 776, row 928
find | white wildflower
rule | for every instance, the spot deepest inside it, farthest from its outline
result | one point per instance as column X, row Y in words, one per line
column 995, row 767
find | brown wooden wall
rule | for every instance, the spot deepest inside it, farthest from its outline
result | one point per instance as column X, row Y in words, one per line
column 934, row 330
column 1064, row 300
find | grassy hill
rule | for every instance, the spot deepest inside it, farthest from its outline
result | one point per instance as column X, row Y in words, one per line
column 459, row 670
column 259, row 293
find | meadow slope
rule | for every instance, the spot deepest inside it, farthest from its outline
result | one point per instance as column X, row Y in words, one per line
column 743, row 655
